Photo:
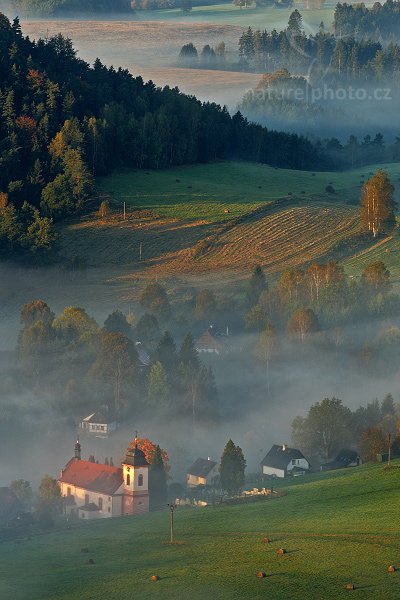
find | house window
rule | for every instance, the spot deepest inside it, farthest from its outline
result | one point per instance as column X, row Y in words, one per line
column 128, row 479
column 109, row 509
column 140, row 480
column 101, row 503
column 86, row 498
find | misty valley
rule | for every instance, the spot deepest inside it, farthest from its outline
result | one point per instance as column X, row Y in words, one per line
column 199, row 300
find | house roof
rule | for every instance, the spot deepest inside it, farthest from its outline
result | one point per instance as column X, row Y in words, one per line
column 97, row 417
column 10, row 506
column 91, row 507
column 135, row 457
column 93, row 477
column 280, row 456
column 208, row 340
column 343, row 459
column 201, row 467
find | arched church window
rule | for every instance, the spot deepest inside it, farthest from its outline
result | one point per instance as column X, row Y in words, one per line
column 140, row 480
column 128, row 479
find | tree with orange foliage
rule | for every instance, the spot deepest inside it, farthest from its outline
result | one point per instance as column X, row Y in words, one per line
column 149, row 449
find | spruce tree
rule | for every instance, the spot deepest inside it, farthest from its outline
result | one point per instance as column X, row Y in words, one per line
column 232, row 468
column 157, row 481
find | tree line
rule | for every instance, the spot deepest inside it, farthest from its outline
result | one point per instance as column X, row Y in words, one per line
column 379, row 22
column 331, row 426
column 322, row 54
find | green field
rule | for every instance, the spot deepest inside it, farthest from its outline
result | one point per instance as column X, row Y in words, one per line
column 337, row 528
column 260, row 18
column 237, row 187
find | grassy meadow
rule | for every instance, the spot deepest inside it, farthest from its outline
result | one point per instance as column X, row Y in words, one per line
column 337, row 528
column 205, row 191
column 251, row 213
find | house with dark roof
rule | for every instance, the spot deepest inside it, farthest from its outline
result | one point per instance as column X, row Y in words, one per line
column 282, row 461
column 91, row 490
column 345, row 458
column 100, row 423
column 202, row 472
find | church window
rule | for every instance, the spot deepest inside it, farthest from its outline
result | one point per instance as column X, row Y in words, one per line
column 101, row 503
column 140, row 480
column 86, row 498
column 128, row 479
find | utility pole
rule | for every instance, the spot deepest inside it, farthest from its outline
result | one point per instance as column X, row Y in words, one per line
column 140, row 250
column 124, row 211
column 389, row 449
column 172, row 507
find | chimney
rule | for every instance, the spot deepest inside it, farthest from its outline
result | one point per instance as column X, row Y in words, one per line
column 208, row 458
column 284, row 447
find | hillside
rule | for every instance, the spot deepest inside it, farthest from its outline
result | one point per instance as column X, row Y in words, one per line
column 221, row 216
column 337, row 528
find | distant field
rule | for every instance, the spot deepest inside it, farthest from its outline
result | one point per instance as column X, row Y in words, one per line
column 228, row 204
column 337, row 528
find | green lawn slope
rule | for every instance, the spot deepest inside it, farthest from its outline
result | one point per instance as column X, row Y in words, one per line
column 337, row 528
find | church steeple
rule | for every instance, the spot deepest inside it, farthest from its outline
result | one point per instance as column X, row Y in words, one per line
column 77, row 450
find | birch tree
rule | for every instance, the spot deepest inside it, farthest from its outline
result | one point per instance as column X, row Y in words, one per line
column 378, row 203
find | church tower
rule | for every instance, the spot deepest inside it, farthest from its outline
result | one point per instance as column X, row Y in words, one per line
column 77, row 450
column 135, row 469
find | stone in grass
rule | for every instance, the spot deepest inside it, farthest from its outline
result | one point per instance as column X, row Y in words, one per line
column 350, row 586
column 281, row 551
column 391, row 569
column 261, row 574
column 155, row 578
column 90, row 561
column 267, row 540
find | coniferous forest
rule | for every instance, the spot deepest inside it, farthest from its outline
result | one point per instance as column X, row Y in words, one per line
column 62, row 123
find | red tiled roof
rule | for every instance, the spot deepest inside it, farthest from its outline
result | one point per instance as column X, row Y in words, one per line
column 207, row 340
column 93, row 477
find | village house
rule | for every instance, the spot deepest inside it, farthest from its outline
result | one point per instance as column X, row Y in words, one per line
column 202, row 472
column 93, row 491
column 345, row 458
column 99, row 423
column 282, row 461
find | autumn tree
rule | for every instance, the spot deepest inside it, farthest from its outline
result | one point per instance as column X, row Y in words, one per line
column 302, row 324
column 372, row 442
column 149, row 449
column 376, row 277
column 36, row 310
column 205, row 305
column 378, row 204
column 155, row 299
column 23, row 491
column 49, row 499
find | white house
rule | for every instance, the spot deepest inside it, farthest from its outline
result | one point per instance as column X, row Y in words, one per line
column 202, row 472
column 282, row 461
column 98, row 424
column 93, row 491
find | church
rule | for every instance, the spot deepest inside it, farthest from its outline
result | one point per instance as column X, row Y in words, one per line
column 93, row 491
